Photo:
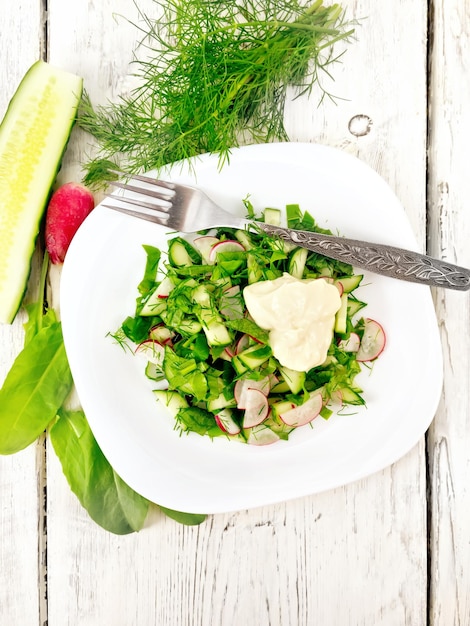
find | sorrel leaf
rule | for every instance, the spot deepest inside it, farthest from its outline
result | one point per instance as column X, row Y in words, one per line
column 34, row 389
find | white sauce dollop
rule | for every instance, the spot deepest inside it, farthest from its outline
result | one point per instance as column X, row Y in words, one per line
column 300, row 315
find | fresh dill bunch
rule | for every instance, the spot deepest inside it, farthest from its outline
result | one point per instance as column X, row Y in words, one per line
column 212, row 75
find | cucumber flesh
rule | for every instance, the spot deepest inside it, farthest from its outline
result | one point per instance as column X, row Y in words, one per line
column 171, row 400
column 33, row 138
column 178, row 254
column 255, row 356
column 295, row 380
column 297, row 262
column 272, row 216
column 341, row 315
column 350, row 282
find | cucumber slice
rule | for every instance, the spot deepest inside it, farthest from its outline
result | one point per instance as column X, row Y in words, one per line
column 244, row 238
column 189, row 326
column 154, row 305
column 272, row 216
column 350, row 282
column 33, row 138
column 255, row 356
column 171, row 400
column 350, row 396
column 255, row 272
column 294, row 380
column 238, row 366
column 297, row 262
column 221, row 402
column 215, row 330
column 342, row 315
column 181, row 253
column 354, row 306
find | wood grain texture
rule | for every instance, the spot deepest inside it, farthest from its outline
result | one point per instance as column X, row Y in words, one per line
column 321, row 559
column 356, row 555
column 449, row 218
column 22, row 570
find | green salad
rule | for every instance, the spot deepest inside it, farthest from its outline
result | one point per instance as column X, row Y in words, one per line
column 215, row 366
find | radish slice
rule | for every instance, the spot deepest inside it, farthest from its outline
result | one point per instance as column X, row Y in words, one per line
column 373, row 341
column 243, row 385
column 351, row 344
column 257, row 408
column 273, row 380
column 229, row 245
column 304, row 413
column 262, row 436
column 204, row 246
column 242, row 344
column 225, row 422
column 152, row 350
column 331, row 281
column 227, row 354
column 339, row 286
column 161, row 333
column 337, row 397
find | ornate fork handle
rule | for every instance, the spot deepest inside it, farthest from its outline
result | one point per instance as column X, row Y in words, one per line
column 381, row 259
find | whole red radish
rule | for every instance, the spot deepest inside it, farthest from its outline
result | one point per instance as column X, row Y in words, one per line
column 68, row 207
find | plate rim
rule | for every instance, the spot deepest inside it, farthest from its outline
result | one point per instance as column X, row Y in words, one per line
column 244, row 501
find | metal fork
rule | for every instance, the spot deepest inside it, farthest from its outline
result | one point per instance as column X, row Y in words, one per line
column 188, row 210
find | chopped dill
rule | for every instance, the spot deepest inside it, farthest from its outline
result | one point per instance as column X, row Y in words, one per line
column 121, row 339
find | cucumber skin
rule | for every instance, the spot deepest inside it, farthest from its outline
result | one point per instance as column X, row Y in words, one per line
column 16, row 106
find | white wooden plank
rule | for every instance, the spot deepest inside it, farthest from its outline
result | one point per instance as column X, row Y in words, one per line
column 354, row 556
column 22, row 571
column 379, row 91
column 328, row 557
column 449, row 438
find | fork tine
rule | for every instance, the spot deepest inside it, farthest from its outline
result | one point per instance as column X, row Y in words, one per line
column 153, row 181
column 144, row 179
column 140, row 214
column 143, row 190
column 152, row 206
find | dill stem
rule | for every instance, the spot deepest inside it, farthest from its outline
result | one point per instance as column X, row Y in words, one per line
column 332, row 42
column 275, row 24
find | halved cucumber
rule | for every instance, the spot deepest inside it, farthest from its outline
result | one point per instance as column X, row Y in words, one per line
column 33, row 138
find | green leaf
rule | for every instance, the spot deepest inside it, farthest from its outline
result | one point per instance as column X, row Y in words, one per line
column 34, row 389
column 184, row 375
column 199, row 421
column 151, row 267
column 190, row 519
column 137, row 328
column 109, row 501
column 250, row 328
column 38, row 316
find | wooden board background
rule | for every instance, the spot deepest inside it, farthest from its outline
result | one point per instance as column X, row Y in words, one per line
column 390, row 549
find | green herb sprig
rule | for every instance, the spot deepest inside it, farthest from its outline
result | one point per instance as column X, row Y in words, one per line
column 32, row 400
column 211, row 76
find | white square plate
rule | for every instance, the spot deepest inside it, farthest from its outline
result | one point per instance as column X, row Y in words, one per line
column 104, row 264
